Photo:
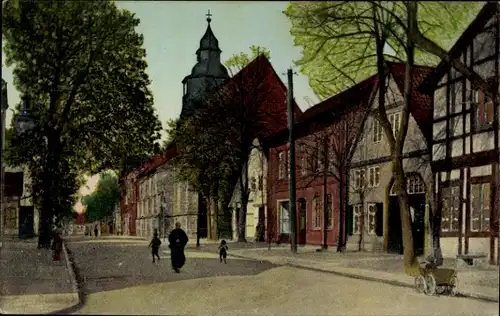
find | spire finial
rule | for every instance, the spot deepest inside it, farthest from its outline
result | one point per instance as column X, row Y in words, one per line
column 208, row 16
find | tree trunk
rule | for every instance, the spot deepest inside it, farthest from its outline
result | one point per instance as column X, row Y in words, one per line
column 48, row 198
column 361, row 243
column 243, row 218
column 215, row 217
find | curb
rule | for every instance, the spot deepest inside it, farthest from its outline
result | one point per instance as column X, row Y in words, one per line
column 475, row 296
column 77, row 282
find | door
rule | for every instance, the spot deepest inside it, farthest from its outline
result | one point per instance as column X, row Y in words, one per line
column 395, row 235
column 417, row 209
column 26, row 222
column 302, row 224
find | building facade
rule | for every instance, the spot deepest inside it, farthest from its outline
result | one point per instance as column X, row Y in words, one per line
column 322, row 140
column 256, row 207
column 374, row 221
column 465, row 148
column 21, row 217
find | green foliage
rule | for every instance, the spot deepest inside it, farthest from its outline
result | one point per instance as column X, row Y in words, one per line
column 102, row 202
column 338, row 43
column 82, row 64
column 238, row 61
column 171, row 128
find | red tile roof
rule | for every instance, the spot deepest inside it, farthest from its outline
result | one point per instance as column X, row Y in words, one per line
column 260, row 78
column 157, row 161
column 422, row 104
column 328, row 111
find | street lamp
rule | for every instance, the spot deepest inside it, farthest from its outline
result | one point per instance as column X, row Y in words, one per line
column 3, row 108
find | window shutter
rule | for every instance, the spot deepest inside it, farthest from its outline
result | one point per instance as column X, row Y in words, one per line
column 350, row 219
column 379, row 219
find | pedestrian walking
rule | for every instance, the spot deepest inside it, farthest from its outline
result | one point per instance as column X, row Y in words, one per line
column 155, row 246
column 223, row 251
column 177, row 241
column 57, row 245
column 95, row 230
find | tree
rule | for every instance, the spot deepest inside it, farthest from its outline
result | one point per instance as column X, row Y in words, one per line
column 237, row 62
column 102, row 202
column 366, row 29
column 82, row 66
column 328, row 150
column 223, row 130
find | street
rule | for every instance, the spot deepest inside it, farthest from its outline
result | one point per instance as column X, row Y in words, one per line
column 120, row 278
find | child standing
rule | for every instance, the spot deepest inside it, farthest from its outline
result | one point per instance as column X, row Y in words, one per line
column 155, row 246
column 223, row 251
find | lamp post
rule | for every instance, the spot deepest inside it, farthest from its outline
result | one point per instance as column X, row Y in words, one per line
column 3, row 108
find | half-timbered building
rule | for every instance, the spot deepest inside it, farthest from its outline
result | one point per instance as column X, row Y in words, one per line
column 465, row 149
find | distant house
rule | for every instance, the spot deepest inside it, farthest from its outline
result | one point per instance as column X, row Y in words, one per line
column 465, row 142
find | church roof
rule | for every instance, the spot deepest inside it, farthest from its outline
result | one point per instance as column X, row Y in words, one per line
column 209, row 41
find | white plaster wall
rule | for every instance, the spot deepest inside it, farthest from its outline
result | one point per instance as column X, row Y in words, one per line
column 477, row 245
column 257, row 167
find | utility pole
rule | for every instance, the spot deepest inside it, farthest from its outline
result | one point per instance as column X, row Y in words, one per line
column 3, row 111
column 291, row 161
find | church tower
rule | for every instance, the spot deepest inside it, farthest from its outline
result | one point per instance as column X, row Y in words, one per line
column 206, row 75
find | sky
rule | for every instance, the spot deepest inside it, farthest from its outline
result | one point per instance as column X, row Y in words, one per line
column 172, row 31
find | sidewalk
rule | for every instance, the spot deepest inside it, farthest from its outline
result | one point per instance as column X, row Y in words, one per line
column 31, row 283
column 380, row 267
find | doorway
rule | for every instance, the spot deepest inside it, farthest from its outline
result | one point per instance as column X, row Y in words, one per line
column 416, row 202
column 26, row 222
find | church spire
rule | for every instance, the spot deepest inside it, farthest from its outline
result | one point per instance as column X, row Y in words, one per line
column 207, row 74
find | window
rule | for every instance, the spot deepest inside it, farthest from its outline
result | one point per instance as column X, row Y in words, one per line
column 357, row 214
column 284, row 212
column 330, row 211
column 253, row 185
column 372, row 219
column 450, row 212
column 480, row 207
column 281, row 165
column 395, row 120
column 483, row 108
column 359, row 178
column 414, row 184
column 373, row 176
column 316, row 220
column 377, row 131
column 261, row 183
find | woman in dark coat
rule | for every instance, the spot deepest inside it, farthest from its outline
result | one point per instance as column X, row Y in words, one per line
column 177, row 241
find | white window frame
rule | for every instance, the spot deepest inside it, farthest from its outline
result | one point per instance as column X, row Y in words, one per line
column 359, row 178
column 377, row 131
column 374, row 176
column 280, row 218
column 357, row 211
column 485, row 208
column 371, row 215
column 395, row 120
